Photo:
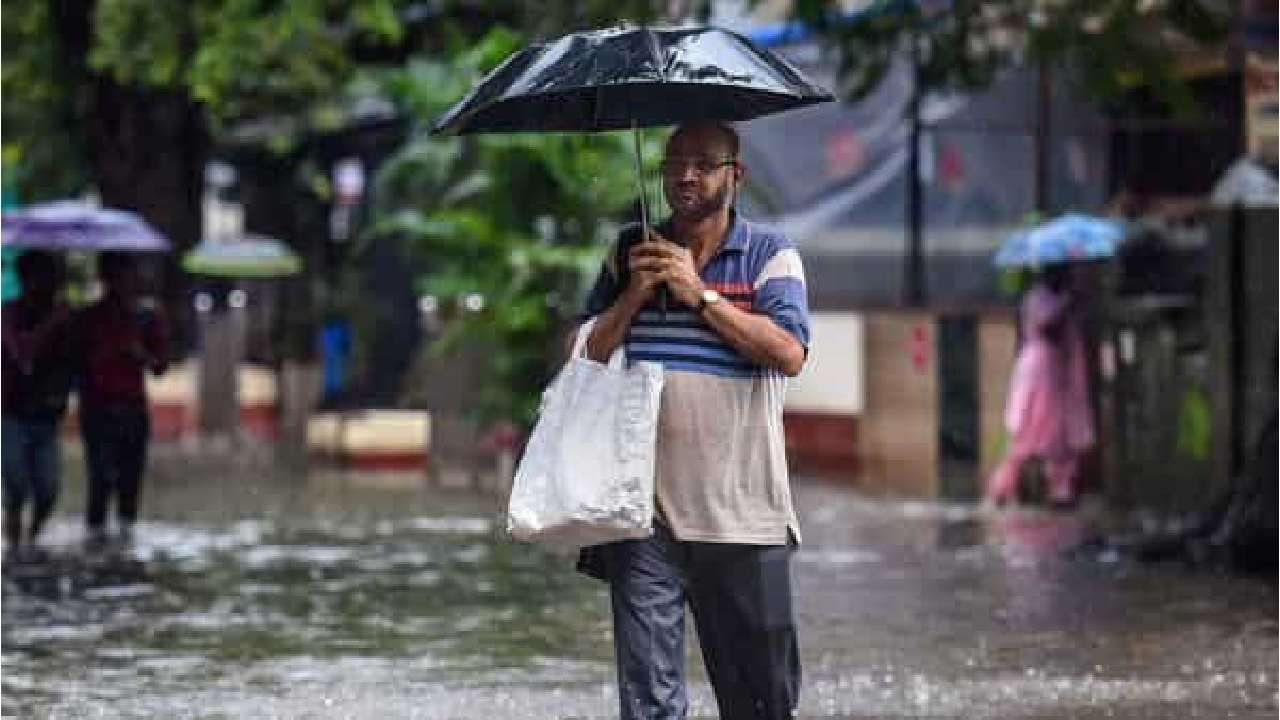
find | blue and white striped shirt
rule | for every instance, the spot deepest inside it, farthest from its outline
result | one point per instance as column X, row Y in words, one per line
column 721, row 464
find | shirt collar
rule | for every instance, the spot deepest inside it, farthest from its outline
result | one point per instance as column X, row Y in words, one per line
column 739, row 235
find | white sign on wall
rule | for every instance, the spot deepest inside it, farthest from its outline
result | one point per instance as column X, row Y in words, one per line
column 832, row 380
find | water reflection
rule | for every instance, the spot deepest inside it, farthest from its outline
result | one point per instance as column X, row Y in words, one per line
column 336, row 598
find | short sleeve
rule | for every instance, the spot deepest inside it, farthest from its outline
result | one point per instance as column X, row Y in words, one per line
column 781, row 294
column 604, row 291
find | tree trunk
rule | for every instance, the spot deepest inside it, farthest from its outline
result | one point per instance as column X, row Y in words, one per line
column 146, row 146
column 147, row 151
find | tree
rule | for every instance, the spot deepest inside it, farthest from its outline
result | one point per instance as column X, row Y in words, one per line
column 140, row 85
column 1112, row 46
column 125, row 96
column 128, row 97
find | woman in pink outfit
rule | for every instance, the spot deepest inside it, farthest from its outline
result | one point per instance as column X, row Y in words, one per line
column 1048, row 415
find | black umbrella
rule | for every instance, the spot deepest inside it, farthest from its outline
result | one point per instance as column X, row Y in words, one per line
column 631, row 77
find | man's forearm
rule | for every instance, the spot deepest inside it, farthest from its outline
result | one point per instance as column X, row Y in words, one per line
column 757, row 337
column 611, row 326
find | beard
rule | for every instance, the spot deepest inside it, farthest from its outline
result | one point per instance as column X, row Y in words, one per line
column 701, row 206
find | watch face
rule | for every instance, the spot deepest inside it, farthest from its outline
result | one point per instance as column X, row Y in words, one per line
column 710, row 296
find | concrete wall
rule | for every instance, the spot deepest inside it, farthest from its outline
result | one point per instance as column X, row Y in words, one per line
column 825, row 402
column 898, row 438
column 898, row 432
column 833, row 380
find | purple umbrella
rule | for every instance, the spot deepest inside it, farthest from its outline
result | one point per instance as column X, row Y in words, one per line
column 69, row 225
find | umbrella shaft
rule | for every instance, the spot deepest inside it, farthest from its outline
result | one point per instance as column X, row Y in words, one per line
column 644, row 197
column 662, row 295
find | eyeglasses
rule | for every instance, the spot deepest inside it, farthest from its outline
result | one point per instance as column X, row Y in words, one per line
column 676, row 166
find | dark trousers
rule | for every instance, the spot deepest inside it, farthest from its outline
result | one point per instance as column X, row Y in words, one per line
column 115, row 442
column 30, row 468
column 741, row 601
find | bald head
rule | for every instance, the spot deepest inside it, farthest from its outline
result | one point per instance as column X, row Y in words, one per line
column 715, row 137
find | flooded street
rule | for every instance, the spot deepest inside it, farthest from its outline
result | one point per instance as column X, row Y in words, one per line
column 362, row 596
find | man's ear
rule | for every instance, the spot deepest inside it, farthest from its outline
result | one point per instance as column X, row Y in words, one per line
column 739, row 174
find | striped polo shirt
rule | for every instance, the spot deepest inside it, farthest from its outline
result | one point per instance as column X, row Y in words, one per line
column 721, row 471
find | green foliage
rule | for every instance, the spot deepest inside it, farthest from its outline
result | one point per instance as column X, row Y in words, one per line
column 1113, row 46
column 41, row 145
column 519, row 220
column 1195, row 424
column 237, row 58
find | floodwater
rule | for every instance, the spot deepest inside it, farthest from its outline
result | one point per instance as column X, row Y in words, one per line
column 253, row 595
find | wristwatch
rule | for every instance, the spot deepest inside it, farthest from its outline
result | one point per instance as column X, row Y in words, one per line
column 709, row 297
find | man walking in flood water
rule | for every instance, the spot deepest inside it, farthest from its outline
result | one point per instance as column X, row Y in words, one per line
column 720, row 302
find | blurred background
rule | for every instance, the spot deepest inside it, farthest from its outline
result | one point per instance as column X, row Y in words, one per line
column 377, row 362
column 436, row 272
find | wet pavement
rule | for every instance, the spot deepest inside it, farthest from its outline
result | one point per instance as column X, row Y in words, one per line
column 253, row 595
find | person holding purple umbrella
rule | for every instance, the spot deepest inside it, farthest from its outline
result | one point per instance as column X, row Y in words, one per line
column 36, row 367
column 118, row 343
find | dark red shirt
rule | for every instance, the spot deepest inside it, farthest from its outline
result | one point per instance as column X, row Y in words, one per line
column 118, row 344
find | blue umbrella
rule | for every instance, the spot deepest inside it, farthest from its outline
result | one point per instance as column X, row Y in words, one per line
column 1073, row 237
column 68, row 225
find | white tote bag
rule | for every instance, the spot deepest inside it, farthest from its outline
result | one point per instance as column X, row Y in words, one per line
column 587, row 472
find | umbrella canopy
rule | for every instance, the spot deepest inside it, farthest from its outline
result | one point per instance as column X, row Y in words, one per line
column 69, row 225
column 631, row 77
column 250, row 257
column 1070, row 238
column 626, row 77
